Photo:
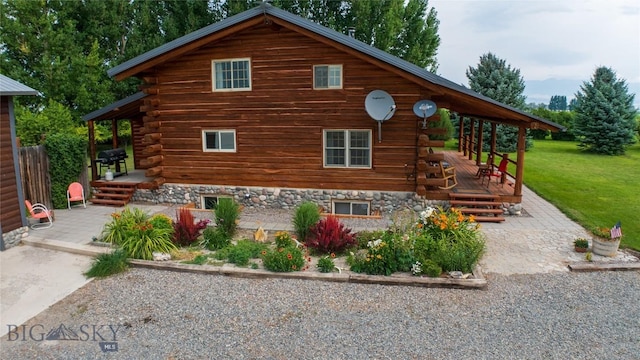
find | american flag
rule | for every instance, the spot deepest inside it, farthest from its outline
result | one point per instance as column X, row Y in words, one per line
column 616, row 231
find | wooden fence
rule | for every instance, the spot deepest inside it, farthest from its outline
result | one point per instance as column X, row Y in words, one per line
column 36, row 182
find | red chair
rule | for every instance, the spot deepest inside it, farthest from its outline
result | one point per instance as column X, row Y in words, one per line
column 39, row 211
column 500, row 173
column 75, row 192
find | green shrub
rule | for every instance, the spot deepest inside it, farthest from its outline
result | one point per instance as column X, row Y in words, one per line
column 431, row 268
column 457, row 255
column 214, row 238
column 380, row 258
column 283, row 240
column 306, row 215
column 326, row 264
column 138, row 235
column 242, row 252
column 67, row 158
column 227, row 212
column 108, row 264
column 365, row 236
column 283, row 259
column 198, row 260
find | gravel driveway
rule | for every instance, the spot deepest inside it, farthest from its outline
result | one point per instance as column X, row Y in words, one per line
column 168, row 315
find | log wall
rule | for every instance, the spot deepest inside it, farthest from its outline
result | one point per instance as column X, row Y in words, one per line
column 279, row 123
column 10, row 216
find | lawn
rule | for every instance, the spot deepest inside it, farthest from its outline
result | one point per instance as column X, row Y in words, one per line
column 594, row 190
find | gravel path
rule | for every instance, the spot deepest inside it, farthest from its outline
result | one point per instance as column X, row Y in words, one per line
column 168, row 315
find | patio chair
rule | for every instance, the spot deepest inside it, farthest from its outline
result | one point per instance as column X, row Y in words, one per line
column 75, row 193
column 499, row 173
column 39, row 211
column 484, row 168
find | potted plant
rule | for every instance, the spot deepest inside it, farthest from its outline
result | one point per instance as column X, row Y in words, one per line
column 603, row 244
column 581, row 245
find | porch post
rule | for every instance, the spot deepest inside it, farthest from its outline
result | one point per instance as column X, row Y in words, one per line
column 460, row 133
column 494, row 139
column 114, row 134
column 92, row 150
column 517, row 187
column 480, row 138
column 472, row 135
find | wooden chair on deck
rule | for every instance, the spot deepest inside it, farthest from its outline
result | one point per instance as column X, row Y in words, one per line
column 484, row 168
column 441, row 175
column 500, row 173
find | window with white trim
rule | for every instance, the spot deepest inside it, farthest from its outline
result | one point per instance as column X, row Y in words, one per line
column 347, row 148
column 359, row 208
column 231, row 74
column 327, row 77
column 210, row 202
column 219, row 140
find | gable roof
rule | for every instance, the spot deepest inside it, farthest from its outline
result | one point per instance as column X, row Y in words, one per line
column 10, row 87
column 458, row 98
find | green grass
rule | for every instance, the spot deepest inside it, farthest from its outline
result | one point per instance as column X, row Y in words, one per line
column 594, row 190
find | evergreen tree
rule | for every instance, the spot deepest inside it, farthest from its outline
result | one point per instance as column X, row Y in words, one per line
column 495, row 79
column 558, row 103
column 605, row 116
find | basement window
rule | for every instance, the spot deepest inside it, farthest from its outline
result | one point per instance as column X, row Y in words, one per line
column 358, row 208
column 210, row 202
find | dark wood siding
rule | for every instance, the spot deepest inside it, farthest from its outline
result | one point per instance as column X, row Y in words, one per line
column 279, row 123
column 10, row 216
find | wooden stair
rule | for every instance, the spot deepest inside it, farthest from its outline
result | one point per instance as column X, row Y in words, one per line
column 484, row 207
column 112, row 193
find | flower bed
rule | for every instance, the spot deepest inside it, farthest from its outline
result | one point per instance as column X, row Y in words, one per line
column 437, row 243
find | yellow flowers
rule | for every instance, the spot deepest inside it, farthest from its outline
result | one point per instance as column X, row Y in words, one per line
column 441, row 220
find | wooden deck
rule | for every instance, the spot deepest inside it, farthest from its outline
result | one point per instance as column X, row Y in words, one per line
column 468, row 182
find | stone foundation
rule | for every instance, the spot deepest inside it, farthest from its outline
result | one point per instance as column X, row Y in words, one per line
column 13, row 238
column 281, row 198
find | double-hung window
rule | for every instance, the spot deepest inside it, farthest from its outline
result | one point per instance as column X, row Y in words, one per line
column 219, row 140
column 231, row 74
column 347, row 148
column 327, row 77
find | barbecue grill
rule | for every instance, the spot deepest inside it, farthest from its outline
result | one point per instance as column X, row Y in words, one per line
column 116, row 157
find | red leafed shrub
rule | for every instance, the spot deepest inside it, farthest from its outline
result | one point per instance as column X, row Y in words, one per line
column 329, row 235
column 186, row 229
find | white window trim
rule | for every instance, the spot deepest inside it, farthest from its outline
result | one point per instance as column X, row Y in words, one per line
column 347, row 154
column 217, row 197
column 350, row 202
column 204, row 140
column 329, row 87
column 213, row 75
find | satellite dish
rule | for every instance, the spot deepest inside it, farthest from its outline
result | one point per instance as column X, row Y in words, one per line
column 380, row 105
column 424, row 108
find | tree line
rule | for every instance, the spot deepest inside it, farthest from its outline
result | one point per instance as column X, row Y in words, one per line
column 64, row 48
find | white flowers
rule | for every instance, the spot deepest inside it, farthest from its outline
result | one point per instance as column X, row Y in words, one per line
column 374, row 243
column 427, row 213
column 416, row 269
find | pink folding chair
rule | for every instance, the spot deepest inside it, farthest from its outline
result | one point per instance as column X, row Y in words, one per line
column 39, row 211
column 75, row 192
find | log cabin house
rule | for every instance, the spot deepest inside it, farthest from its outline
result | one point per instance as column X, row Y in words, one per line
column 269, row 107
column 12, row 208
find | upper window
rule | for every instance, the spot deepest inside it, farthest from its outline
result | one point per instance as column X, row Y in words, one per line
column 327, row 77
column 219, row 140
column 347, row 148
column 231, row 75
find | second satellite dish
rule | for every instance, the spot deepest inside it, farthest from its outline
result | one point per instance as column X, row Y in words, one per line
column 424, row 108
column 379, row 105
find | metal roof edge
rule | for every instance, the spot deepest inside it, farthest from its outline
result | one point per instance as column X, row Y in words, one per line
column 10, row 87
column 129, row 99
column 186, row 39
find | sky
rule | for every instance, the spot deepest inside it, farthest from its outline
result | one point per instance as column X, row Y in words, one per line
column 556, row 44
